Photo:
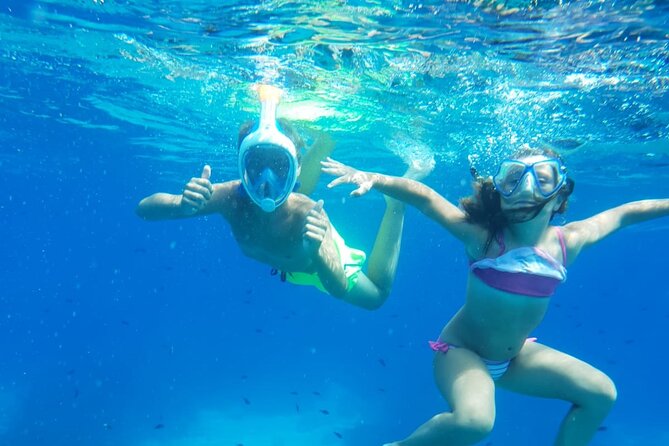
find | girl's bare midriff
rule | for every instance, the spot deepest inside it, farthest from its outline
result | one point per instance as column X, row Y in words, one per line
column 492, row 323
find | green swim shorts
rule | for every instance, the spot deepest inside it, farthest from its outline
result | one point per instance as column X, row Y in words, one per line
column 351, row 259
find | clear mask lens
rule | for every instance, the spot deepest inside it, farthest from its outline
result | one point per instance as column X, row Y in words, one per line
column 548, row 176
column 268, row 174
column 262, row 160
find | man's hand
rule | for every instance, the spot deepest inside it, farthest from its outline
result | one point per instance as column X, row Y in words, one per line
column 315, row 227
column 196, row 193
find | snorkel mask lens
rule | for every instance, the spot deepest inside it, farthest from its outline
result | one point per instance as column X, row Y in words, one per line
column 267, row 157
column 268, row 175
column 549, row 175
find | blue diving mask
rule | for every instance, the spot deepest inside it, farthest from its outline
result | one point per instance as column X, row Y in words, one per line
column 548, row 176
column 268, row 158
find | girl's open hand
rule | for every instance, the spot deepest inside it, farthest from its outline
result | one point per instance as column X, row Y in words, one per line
column 348, row 175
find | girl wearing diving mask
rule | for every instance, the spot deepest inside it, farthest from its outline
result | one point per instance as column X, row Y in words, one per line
column 517, row 259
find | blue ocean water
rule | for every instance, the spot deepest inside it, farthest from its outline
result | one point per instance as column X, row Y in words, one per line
column 115, row 331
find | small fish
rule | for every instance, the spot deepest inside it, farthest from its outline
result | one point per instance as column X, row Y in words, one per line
column 602, row 428
column 294, row 392
column 381, row 389
column 126, row 323
column 297, row 408
column 338, row 435
column 159, row 426
column 567, row 143
column 316, row 393
column 258, row 330
column 325, row 412
column 382, row 362
column 246, row 401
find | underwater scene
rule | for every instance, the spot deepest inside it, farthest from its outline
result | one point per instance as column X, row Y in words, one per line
column 119, row 330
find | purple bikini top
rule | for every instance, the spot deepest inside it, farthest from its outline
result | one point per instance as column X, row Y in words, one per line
column 528, row 271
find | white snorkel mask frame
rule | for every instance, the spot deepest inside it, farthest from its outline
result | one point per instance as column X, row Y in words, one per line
column 267, row 136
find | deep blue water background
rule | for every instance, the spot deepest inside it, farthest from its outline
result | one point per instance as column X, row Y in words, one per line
column 118, row 331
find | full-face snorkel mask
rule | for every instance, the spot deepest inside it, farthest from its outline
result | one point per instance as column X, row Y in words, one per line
column 268, row 158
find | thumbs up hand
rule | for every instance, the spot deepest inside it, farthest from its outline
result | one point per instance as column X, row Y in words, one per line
column 197, row 193
column 315, row 226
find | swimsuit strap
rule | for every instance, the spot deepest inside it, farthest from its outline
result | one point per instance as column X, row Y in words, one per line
column 563, row 246
column 500, row 241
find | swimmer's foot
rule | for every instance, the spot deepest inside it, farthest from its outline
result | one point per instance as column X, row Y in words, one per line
column 418, row 169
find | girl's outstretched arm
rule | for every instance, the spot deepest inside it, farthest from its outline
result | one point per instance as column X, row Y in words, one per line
column 409, row 191
column 584, row 233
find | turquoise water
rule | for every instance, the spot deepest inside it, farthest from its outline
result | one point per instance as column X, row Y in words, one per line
column 118, row 331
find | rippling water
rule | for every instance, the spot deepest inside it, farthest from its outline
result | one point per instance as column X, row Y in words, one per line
column 447, row 79
column 115, row 331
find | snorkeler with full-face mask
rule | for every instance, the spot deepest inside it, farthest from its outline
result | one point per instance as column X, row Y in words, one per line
column 275, row 222
column 517, row 260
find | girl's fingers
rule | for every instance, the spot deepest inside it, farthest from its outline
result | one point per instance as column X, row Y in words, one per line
column 338, row 181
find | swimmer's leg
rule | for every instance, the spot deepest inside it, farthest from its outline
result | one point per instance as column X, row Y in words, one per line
column 464, row 382
column 310, row 173
column 372, row 291
column 547, row 373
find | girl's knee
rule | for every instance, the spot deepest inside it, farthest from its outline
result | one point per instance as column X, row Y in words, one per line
column 474, row 425
column 601, row 392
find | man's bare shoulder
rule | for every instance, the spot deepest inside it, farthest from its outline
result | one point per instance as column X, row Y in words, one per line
column 224, row 197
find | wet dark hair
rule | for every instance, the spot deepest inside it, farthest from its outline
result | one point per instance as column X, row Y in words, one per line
column 484, row 206
column 284, row 126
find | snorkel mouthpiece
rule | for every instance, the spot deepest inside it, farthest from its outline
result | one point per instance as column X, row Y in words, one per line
column 267, row 205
